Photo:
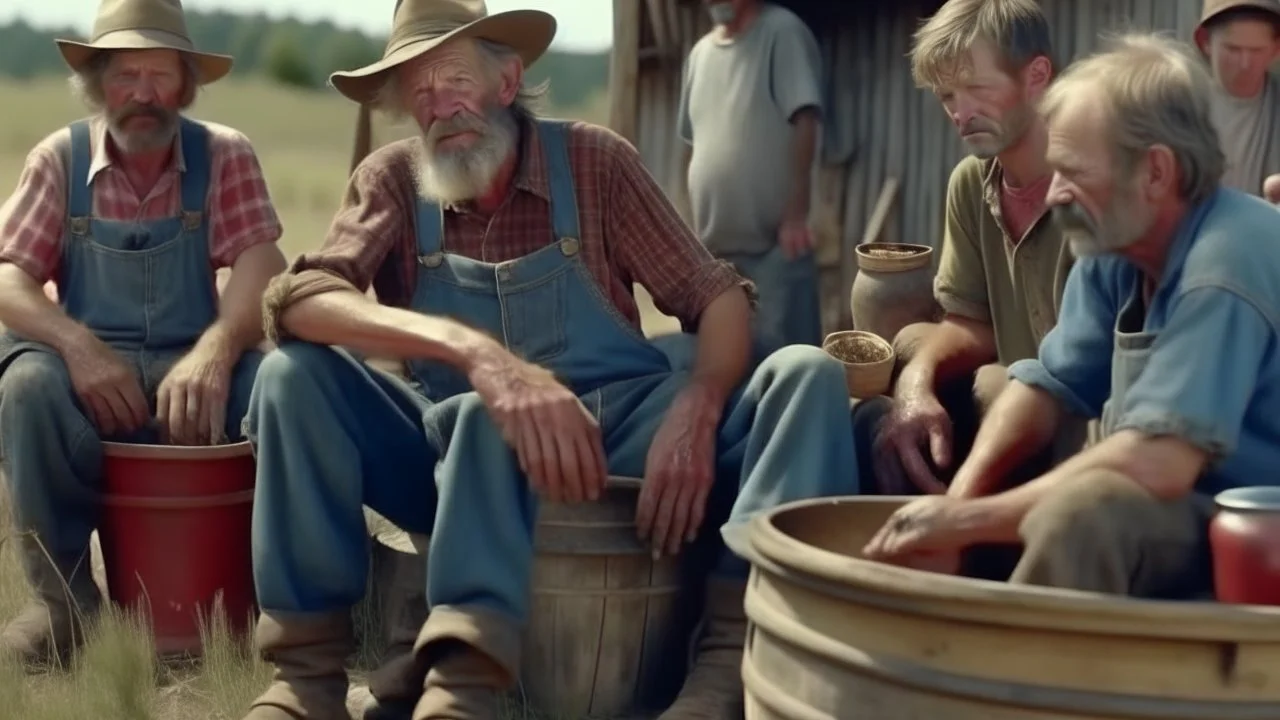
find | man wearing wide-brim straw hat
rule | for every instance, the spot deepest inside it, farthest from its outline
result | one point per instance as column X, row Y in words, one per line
column 1240, row 39
column 129, row 212
column 503, row 249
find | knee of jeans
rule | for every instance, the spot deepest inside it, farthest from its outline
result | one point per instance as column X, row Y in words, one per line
column 34, row 382
column 807, row 366
column 1090, row 511
column 288, row 381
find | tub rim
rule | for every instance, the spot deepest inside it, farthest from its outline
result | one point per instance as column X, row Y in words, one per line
column 149, row 451
column 919, row 592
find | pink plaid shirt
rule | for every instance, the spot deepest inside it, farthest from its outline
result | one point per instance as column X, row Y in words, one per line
column 239, row 213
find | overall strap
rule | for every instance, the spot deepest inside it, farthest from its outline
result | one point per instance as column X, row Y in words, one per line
column 79, row 194
column 195, row 154
column 428, row 227
column 553, row 134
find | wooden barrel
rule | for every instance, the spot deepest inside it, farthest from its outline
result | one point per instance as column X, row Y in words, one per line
column 609, row 626
column 832, row 635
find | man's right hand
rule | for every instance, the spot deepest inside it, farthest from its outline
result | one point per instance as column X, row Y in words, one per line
column 107, row 387
column 556, row 439
column 914, row 422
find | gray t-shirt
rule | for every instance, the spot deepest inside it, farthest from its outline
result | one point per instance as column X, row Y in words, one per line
column 1243, row 125
column 736, row 102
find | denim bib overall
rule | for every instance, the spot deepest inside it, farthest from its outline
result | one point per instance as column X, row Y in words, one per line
column 147, row 290
column 310, row 551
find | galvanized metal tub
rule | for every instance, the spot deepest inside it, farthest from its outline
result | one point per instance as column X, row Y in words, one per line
column 835, row 636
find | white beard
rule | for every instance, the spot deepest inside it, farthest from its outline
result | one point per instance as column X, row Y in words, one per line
column 454, row 176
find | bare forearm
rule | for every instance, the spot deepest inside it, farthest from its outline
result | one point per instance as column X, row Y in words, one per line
column 28, row 312
column 804, row 143
column 239, row 324
column 1020, row 423
column 724, row 343
column 955, row 348
column 352, row 319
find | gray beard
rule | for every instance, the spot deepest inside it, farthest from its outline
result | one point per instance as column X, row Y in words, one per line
column 456, row 176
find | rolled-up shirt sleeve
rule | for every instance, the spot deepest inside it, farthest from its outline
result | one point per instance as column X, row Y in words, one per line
column 1074, row 363
column 657, row 249
column 1202, row 371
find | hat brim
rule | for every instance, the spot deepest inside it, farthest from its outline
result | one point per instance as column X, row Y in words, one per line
column 210, row 67
column 528, row 32
column 1268, row 6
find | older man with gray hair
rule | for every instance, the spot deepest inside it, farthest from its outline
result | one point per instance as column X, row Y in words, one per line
column 503, row 249
column 1168, row 333
column 129, row 212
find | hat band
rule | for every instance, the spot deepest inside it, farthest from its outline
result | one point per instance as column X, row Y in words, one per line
column 159, row 34
column 419, row 31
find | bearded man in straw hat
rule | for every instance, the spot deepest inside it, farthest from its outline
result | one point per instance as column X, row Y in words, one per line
column 130, row 212
column 503, row 249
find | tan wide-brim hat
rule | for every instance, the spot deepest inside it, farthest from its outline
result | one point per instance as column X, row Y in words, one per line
column 143, row 25
column 1214, row 8
column 422, row 25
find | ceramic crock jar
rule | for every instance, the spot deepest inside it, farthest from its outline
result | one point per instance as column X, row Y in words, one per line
column 1245, row 539
column 893, row 288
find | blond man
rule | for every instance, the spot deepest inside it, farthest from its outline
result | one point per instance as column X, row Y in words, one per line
column 1240, row 39
column 1168, row 334
column 1003, row 263
column 130, row 212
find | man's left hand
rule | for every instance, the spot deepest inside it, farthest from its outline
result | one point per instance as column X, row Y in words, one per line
column 930, row 525
column 795, row 237
column 679, row 471
column 191, row 402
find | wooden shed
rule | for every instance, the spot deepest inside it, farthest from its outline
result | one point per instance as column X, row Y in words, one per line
column 880, row 127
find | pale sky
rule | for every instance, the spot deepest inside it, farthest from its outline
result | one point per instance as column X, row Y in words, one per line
column 583, row 24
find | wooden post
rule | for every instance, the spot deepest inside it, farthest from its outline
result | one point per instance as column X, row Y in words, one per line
column 364, row 136
column 624, row 67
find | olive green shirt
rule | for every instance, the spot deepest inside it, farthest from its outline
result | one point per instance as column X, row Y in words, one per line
column 984, row 275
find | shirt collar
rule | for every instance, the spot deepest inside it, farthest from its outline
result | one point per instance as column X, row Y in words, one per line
column 102, row 159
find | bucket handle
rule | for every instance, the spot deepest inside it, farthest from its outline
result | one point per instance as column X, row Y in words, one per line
column 177, row 503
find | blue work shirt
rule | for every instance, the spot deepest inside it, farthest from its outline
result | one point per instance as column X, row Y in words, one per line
column 1201, row 362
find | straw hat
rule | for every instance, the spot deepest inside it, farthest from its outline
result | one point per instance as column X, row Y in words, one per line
column 142, row 25
column 1214, row 8
column 421, row 25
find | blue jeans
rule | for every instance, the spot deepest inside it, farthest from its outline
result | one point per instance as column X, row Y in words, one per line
column 333, row 434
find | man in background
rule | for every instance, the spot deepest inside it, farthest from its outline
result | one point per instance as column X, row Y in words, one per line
column 750, row 108
column 1240, row 39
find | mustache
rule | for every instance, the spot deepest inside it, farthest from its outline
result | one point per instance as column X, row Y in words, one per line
column 1073, row 217
column 132, row 110
column 464, row 121
column 974, row 126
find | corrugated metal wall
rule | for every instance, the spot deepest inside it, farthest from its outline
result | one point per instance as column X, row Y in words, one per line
column 888, row 127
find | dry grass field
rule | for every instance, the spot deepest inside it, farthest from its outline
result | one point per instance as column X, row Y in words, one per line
column 304, row 141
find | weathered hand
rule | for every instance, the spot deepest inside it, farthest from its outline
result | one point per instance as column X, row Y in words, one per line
column 107, row 388
column 795, row 237
column 191, row 402
column 556, row 439
column 899, row 463
column 679, row 471
column 931, row 525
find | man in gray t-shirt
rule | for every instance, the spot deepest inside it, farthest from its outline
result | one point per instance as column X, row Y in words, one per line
column 1240, row 40
column 750, row 111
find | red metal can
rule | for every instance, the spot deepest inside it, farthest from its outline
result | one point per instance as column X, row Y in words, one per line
column 1245, row 539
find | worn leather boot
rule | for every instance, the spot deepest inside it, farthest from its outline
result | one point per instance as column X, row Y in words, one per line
column 309, row 653
column 473, row 658
column 713, row 688
column 65, row 600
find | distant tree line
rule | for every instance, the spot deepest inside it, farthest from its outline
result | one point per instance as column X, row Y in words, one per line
column 300, row 54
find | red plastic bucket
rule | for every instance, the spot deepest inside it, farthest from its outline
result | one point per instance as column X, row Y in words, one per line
column 175, row 536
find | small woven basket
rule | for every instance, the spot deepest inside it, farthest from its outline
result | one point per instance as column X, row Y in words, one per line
column 867, row 358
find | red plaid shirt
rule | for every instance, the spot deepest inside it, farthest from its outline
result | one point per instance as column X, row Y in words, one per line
column 630, row 233
column 239, row 213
